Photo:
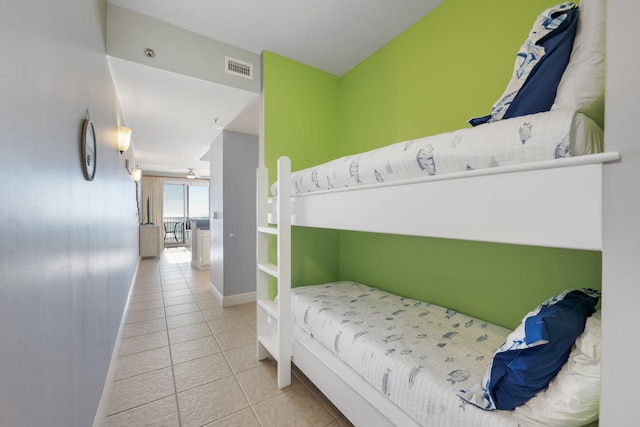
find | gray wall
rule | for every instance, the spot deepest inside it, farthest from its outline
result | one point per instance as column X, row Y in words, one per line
column 68, row 247
column 233, row 162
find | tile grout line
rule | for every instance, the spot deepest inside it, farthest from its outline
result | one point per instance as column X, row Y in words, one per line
column 173, row 373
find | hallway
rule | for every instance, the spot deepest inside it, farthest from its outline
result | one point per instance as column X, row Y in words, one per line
column 186, row 361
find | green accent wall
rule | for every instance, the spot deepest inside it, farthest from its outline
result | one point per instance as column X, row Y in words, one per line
column 491, row 281
column 300, row 121
column 451, row 65
column 300, row 114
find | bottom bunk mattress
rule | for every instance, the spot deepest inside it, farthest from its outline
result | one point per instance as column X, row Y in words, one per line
column 417, row 354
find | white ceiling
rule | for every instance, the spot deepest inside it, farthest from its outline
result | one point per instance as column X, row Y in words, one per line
column 171, row 114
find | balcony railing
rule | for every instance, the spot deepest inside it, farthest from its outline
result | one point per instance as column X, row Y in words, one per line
column 177, row 230
column 174, row 230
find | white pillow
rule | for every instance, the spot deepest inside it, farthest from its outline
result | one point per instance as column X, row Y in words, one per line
column 582, row 85
column 573, row 396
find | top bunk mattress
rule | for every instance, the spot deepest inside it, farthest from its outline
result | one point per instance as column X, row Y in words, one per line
column 536, row 137
column 417, row 354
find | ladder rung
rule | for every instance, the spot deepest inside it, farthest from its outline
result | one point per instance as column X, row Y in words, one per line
column 270, row 307
column 269, row 268
column 270, row 342
column 268, row 230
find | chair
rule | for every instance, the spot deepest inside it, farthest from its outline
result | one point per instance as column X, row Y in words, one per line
column 179, row 232
column 170, row 229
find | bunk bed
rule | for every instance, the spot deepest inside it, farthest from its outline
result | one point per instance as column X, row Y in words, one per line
column 357, row 398
column 514, row 202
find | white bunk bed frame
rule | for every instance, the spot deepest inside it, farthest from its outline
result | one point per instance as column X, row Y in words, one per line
column 556, row 203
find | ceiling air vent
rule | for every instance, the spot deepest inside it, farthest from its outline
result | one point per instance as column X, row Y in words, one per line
column 238, row 68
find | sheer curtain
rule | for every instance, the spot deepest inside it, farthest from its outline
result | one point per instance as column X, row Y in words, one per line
column 152, row 200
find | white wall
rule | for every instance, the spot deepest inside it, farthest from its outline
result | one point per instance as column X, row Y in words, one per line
column 216, row 204
column 68, row 247
column 621, row 254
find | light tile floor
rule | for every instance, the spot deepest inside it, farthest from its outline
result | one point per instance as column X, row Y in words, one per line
column 186, row 361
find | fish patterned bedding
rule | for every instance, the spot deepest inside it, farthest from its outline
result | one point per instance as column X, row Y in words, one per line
column 542, row 136
column 417, row 354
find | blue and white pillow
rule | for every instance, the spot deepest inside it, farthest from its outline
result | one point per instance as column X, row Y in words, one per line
column 534, row 352
column 539, row 65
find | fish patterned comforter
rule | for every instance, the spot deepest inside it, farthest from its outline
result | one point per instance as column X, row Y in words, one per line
column 542, row 136
column 417, row 354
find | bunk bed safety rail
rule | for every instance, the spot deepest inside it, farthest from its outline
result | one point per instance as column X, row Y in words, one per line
column 555, row 203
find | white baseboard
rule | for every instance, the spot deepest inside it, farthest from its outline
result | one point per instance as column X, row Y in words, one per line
column 216, row 293
column 101, row 414
column 232, row 299
column 239, row 299
column 199, row 265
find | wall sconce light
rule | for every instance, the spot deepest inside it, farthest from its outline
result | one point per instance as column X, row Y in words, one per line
column 136, row 173
column 124, row 138
column 191, row 174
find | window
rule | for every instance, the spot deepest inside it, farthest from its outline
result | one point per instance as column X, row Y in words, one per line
column 183, row 202
column 198, row 202
column 173, row 201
